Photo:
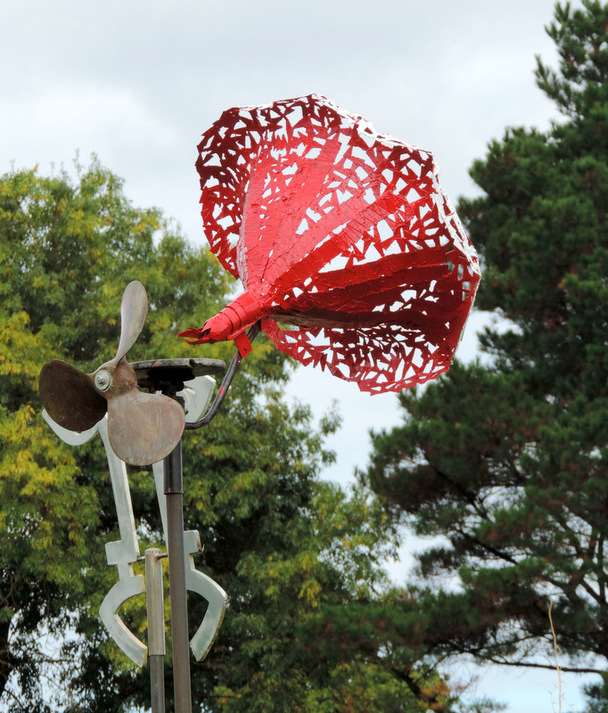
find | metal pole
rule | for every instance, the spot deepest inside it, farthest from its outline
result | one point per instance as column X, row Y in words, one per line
column 173, row 486
column 156, row 628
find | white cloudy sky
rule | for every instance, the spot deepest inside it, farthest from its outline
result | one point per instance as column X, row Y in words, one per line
column 138, row 81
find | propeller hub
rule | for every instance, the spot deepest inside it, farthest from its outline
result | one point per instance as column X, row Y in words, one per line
column 103, row 380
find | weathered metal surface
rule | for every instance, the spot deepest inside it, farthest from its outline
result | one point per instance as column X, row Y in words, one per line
column 69, row 396
column 144, row 427
column 156, row 628
column 157, row 373
column 133, row 313
column 154, row 601
column 173, row 489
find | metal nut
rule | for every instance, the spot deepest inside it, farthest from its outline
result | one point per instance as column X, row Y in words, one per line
column 103, row 380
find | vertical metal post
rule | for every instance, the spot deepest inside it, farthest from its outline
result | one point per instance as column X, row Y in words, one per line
column 156, row 628
column 174, row 491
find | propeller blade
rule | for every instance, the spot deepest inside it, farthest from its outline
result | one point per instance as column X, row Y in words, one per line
column 133, row 312
column 69, row 396
column 144, row 428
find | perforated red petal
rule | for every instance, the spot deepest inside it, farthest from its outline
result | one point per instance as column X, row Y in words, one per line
column 341, row 234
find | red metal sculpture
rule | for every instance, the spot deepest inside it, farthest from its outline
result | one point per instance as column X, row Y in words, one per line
column 347, row 247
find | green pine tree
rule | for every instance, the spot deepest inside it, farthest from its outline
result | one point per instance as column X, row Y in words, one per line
column 506, row 461
column 293, row 553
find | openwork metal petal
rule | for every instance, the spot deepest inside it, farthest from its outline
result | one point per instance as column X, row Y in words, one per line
column 342, row 236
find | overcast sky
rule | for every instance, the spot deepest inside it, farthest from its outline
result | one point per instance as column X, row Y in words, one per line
column 137, row 82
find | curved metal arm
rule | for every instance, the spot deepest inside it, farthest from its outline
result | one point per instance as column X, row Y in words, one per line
column 225, row 385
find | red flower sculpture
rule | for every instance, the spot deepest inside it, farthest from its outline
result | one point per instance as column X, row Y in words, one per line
column 347, row 247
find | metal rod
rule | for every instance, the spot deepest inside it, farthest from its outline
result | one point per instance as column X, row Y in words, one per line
column 225, row 385
column 156, row 628
column 157, row 683
column 173, row 487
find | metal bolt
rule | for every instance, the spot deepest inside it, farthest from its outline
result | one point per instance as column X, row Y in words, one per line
column 103, row 380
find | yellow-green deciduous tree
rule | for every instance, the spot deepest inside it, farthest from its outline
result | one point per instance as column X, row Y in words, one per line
column 293, row 553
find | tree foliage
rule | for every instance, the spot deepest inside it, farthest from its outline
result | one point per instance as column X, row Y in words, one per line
column 506, row 461
column 67, row 249
column 296, row 555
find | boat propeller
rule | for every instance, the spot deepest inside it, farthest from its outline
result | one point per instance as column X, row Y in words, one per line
column 143, row 428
